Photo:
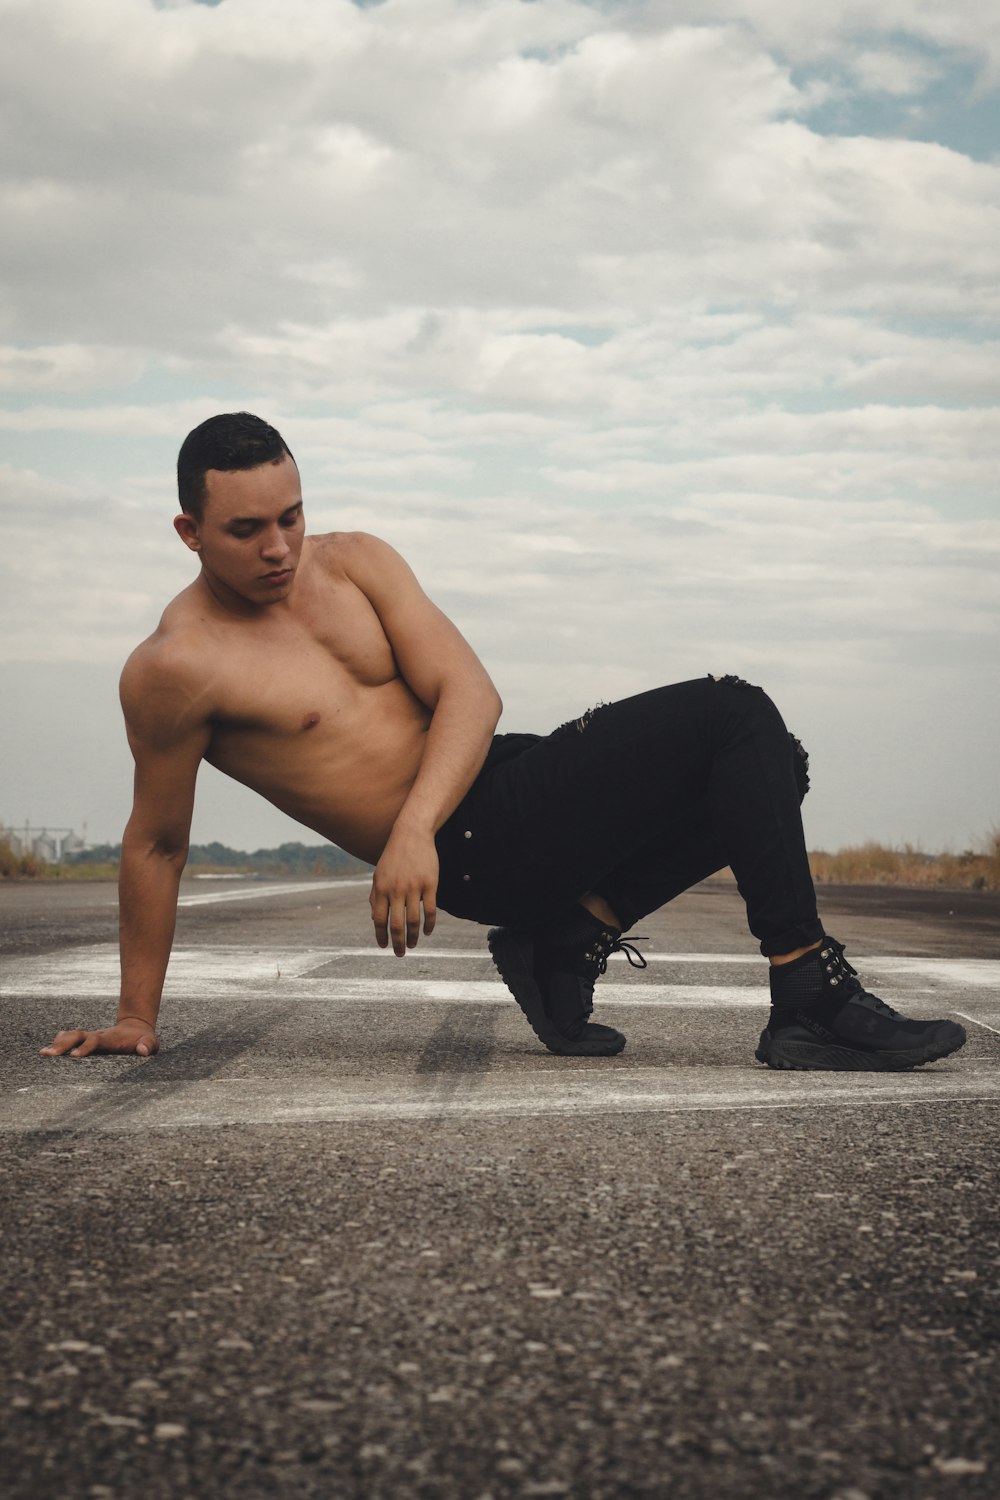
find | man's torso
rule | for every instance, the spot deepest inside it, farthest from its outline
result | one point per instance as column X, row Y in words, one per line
column 306, row 704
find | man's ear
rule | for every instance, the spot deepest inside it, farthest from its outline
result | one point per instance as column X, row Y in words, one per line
column 188, row 530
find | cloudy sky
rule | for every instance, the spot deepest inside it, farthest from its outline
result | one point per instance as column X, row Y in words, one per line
column 661, row 337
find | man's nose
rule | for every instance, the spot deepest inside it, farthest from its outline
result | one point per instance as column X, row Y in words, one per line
column 275, row 544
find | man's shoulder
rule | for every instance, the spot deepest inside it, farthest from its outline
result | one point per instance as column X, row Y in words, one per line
column 365, row 561
column 172, row 659
column 339, row 551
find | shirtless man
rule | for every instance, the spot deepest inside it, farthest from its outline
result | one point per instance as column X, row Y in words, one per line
column 316, row 671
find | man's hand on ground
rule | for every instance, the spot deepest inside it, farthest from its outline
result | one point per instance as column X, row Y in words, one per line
column 130, row 1035
column 405, row 880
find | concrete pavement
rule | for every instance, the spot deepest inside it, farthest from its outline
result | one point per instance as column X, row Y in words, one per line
column 355, row 1233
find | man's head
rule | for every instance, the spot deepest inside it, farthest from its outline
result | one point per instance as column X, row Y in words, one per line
column 231, row 441
column 242, row 509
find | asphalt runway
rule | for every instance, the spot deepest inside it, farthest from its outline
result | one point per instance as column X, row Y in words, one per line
column 355, row 1233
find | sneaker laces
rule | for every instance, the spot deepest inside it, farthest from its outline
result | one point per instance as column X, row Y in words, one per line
column 596, row 960
column 840, row 971
column 590, row 963
column 603, row 949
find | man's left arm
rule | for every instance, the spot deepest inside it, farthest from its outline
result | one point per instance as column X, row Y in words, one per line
column 444, row 672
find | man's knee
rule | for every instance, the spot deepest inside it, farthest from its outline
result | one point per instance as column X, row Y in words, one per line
column 800, row 756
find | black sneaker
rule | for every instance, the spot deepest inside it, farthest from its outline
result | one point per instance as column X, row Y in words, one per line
column 823, row 1017
column 552, row 975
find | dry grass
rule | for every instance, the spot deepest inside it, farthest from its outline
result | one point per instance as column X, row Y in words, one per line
column 874, row 864
column 14, row 866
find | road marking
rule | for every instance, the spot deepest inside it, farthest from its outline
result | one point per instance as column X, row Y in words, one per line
column 558, row 1090
column 424, row 951
column 978, row 1022
column 974, row 973
column 480, row 992
column 243, row 972
column 94, row 970
column 129, row 1094
column 256, row 892
column 978, row 972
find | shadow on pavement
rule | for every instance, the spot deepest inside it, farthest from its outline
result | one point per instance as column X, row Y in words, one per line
column 202, row 1055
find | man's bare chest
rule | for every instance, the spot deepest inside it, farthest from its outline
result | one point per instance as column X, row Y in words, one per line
column 293, row 677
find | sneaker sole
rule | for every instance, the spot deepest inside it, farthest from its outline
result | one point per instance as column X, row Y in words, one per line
column 829, row 1058
column 513, row 954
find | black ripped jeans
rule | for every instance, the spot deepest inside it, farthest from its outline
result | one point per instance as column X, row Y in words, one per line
column 638, row 801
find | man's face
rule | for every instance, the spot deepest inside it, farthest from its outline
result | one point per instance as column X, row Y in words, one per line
column 250, row 537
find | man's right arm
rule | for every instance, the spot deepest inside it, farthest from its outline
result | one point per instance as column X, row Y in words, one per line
column 168, row 736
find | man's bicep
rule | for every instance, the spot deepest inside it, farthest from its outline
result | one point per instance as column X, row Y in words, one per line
column 168, row 742
column 429, row 648
column 427, row 645
column 163, row 796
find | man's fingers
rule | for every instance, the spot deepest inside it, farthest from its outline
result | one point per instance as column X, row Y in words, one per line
column 397, row 927
column 380, row 916
column 389, row 914
column 396, row 916
column 412, row 920
column 62, row 1042
column 404, row 923
column 111, row 1039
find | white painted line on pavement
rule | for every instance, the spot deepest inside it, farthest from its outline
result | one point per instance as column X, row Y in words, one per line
column 972, row 971
column 201, row 971
column 208, row 1103
column 980, row 972
column 427, row 951
column 976, row 1020
column 254, row 893
column 261, row 978
column 244, row 972
column 492, row 992
column 977, row 973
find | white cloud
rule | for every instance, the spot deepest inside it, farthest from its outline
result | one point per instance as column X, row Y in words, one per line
column 412, row 154
column 576, row 289
column 804, row 31
column 884, row 70
column 84, row 576
column 66, row 367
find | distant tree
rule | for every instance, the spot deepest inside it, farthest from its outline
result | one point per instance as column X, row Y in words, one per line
column 99, row 854
column 287, row 859
column 217, row 854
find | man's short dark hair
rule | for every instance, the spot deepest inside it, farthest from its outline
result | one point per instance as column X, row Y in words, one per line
column 233, row 440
